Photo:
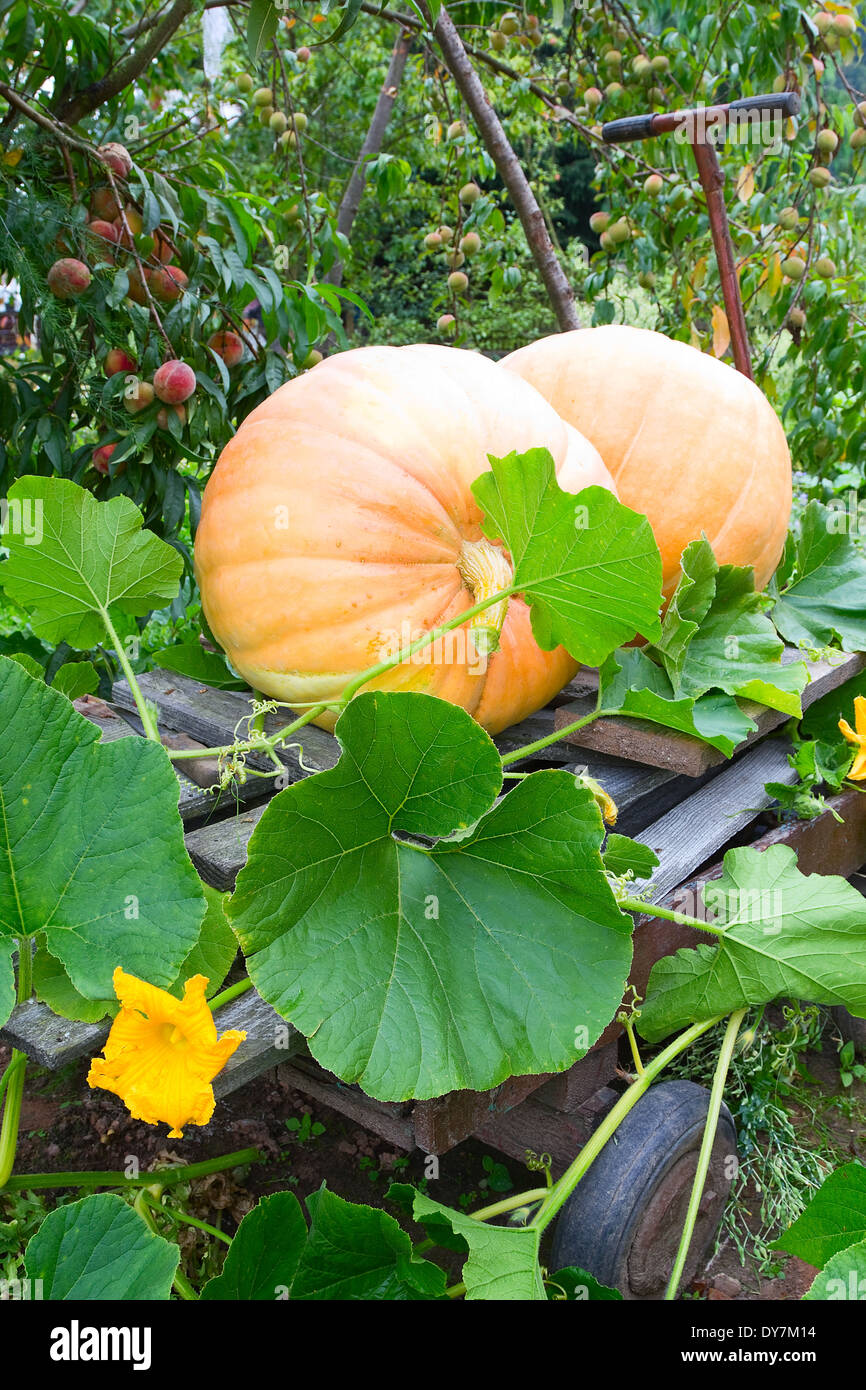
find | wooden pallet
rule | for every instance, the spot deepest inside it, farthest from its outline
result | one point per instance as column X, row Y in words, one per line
column 686, row 809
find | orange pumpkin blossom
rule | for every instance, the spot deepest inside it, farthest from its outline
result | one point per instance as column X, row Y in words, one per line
column 162, row 1053
column 857, row 772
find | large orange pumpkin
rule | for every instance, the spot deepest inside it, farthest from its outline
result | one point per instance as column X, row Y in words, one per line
column 339, row 524
column 691, row 443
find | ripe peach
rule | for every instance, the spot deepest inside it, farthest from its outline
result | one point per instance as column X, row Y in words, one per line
column 103, row 205
column 100, row 457
column 174, row 382
column 117, row 157
column 227, row 345
column 106, row 230
column 137, row 396
column 68, row 278
column 162, row 250
column 168, row 283
column 136, row 288
column 432, row 241
column 117, row 360
column 446, row 323
column 599, row 222
column 653, row 185
column 303, row 55
column 470, row 243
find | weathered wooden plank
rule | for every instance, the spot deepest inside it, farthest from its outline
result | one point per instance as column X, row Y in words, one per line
column 51, row 1041
column 447, row 1120
column 219, row 850
column 643, row 742
column 696, row 829
column 269, row 1041
column 211, row 716
column 535, row 1127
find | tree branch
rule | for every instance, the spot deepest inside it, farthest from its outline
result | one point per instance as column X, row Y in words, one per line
column 73, row 106
column 372, row 145
column 510, row 171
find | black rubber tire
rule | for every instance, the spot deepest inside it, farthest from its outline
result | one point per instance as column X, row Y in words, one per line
column 623, row 1221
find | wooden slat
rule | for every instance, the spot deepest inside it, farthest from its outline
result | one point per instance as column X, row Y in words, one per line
column 219, row 850
column 643, row 742
column 269, row 1041
column 391, row 1121
column 51, row 1041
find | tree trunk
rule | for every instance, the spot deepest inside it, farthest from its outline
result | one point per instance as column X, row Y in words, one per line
column 510, row 171
column 372, row 146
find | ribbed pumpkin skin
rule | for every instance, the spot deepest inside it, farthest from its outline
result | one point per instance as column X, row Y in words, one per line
column 334, row 520
column 690, row 442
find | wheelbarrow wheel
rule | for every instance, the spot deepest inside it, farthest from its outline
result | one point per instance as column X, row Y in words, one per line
column 623, row 1221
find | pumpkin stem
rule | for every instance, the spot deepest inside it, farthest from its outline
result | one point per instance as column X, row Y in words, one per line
column 485, row 570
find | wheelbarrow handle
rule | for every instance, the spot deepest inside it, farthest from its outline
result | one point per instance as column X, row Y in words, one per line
column 780, row 104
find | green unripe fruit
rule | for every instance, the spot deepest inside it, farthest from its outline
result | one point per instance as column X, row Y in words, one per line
column 794, row 267
column 613, row 89
column 278, row 122
column 455, row 258
column 819, row 178
column 613, row 58
column 661, row 64
column 796, row 317
column 456, row 130
column 288, row 139
column 470, row 243
column 845, row 25
column 607, row 243
column 858, row 139
column 788, row 219
column 826, row 268
column 619, row 232
column 432, row 241
column 593, row 98
column 861, row 112
column 265, row 113
column 470, row 193
column 647, row 280
column 780, row 83
column 827, row 141
column 244, row 82
column 300, row 122
column 822, row 21
column 509, row 24
column 446, row 323
column 599, row 222
column 641, row 65
column 498, row 41
column 445, row 232
column 263, row 97
column 653, row 185
column 457, row 281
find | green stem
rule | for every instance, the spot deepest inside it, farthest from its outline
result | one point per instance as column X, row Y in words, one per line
column 628, row 1025
column 15, row 1074
column 653, row 910
column 144, row 713
column 16, row 1062
column 251, row 745
column 523, row 1199
column 562, row 1190
column 709, row 1139
column 181, row 1284
column 540, row 743
column 166, row 1177
column 429, row 637
column 227, row 995
column 179, row 1217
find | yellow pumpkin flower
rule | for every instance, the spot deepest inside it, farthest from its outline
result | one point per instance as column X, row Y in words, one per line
column 858, row 768
column 162, row 1053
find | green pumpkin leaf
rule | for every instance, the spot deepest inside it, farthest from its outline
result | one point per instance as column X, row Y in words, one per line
column 91, row 843
column 844, row 1277
column 622, row 855
column 588, row 567
column 825, row 600
column 359, row 1252
column 263, row 1257
column 213, row 953
column 631, row 685
column 417, row 969
column 76, row 678
column 52, row 985
column 715, row 637
column 193, row 660
column 834, row 1219
column 7, row 978
column 576, row 1285
column 501, row 1261
column 99, row 1250
column 92, row 556
column 30, row 664
column 787, row 935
